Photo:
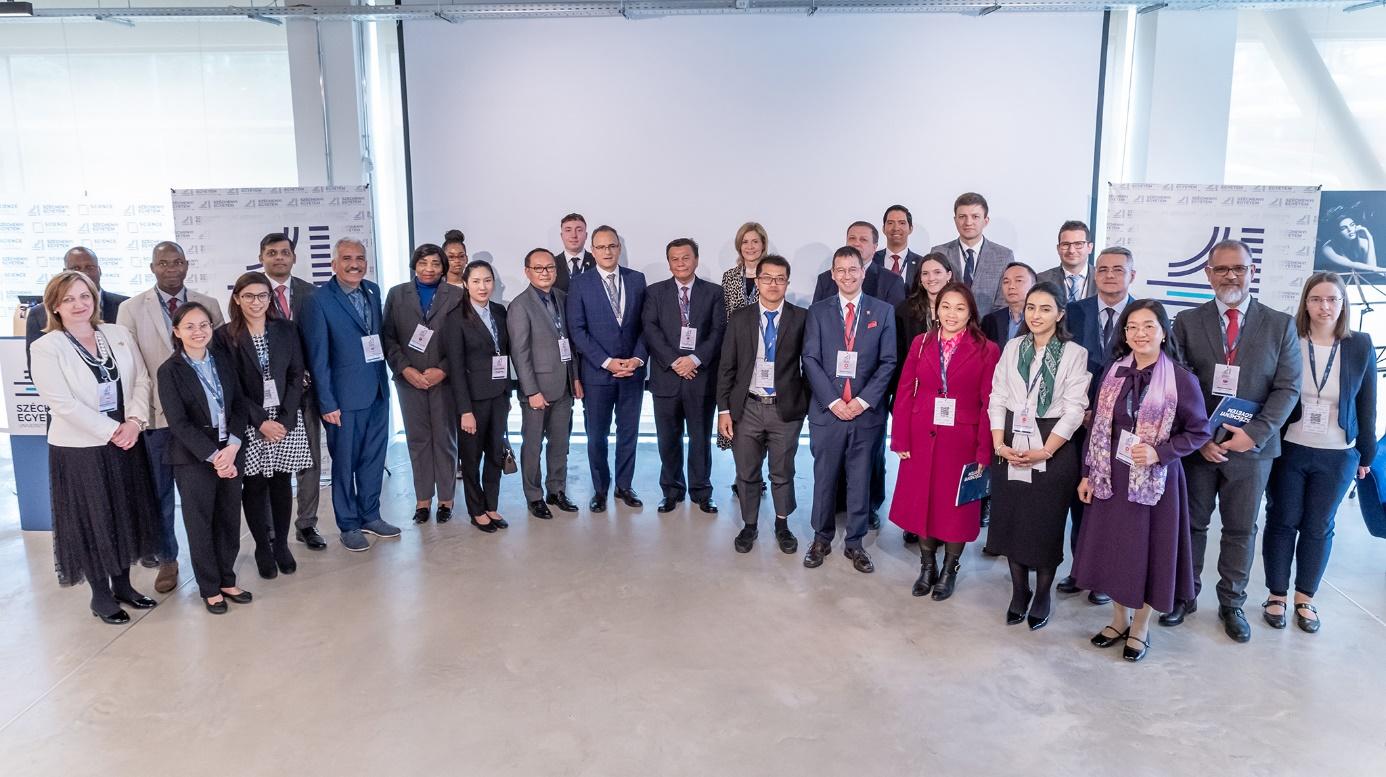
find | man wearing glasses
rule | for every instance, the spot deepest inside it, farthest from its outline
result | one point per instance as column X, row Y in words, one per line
column 1074, row 275
column 149, row 317
column 542, row 354
column 1238, row 348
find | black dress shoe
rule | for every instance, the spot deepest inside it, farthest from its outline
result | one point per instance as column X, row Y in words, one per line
column 1181, row 611
column 538, row 509
column 817, row 550
column 598, row 504
column 500, row 523
column 745, row 540
column 789, row 544
column 708, row 506
column 219, row 608
column 911, row 538
column 444, row 514
column 1097, row 597
column 244, row 597
column 562, row 502
column 667, row 504
column 947, row 578
column 628, row 496
column 136, row 600
column 1234, row 623
column 1100, row 639
column 311, row 538
column 1307, row 625
column 873, row 521
column 285, row 560
column 1274, row 621
column 860, row 561
column 118, row 618
column 489, row 528
column 1012, row 616
column 1068, row 585
column 421, row 515
column 1133, row 655
column 150, row 562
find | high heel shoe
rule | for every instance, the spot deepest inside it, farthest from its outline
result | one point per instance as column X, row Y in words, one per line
column 1133, row 655
column 120, row 617
column 1038, row 622
column 1013, row 617
column 1100, row 639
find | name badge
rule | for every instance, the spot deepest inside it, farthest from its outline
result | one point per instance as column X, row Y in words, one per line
column 764, row 377
column 221, row 425
column 565, row 349
column 1225, row 380
column 271, row 394
column 846, row 364
column 500, row 367
column 422, row 335
column 1123, row 451
column 945, row 411
column 370, row 346
column 1314, row 417
column 688, row 337
column 106, row 400
column 1023, row 422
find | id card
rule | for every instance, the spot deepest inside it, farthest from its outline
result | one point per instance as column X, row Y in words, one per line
column 764, row 377
column 1225, row 380
column 221, row 425
column 945, row 411
column 271, row 394
column 422, row 335
column 1023, row 422
column 1314, row 418
column 500, row 367
column 565, row 349
column 106, row 399
column 370, row 347
column 1123, row 451
column 846, row 364
column 688, row 337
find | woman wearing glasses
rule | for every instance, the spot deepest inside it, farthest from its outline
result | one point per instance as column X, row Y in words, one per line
column 1329, row 440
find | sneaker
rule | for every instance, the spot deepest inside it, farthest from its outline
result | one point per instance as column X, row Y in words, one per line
column 355, row 541
column 380, row 528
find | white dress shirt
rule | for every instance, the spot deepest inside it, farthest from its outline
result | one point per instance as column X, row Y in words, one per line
column 856, row 311
column 678, row 294
column 1070, row 400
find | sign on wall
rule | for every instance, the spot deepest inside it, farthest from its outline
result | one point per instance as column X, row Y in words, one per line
column 25, row 411
column 1170, row 229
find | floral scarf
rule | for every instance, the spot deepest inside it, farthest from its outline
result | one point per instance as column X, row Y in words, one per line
column 1049, row 367
column 1154, row 420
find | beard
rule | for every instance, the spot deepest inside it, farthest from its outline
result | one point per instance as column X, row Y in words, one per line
column 1231, row 296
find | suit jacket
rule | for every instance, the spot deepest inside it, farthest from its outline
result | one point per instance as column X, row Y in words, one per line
column 909, row 266
column 66, row 384
column 332, row 332
column 1084, row 320
column 1270, row 362
column 403, row 313
column 534, row 353
column 472, row 350
column 996, row 325
column 736, row 366
column 825, row 335
column 986, row 275
column 1356, row 395
column 594, row 330
column 189, row 418
column 1058, row 276
column 37, row 317
column 564, row 273
column 880, row 283
column 147, row 319
column 285, row 368
column 661, row 325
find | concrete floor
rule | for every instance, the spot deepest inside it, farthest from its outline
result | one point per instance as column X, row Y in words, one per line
column 637, row 644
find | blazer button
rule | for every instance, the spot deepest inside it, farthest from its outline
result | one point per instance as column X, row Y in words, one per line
column 933, row 433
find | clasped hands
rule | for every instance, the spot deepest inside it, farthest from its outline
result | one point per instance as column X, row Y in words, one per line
column 224, row 462
column 685, row 367
column 848, row 411
column 623, row 368
column 1025, row 458
column 126, row 435
column 424, row 380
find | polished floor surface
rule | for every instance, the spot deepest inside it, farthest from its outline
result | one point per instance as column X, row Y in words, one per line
column 632, row 643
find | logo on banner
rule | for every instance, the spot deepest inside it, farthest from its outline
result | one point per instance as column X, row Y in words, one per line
column 1184, row 283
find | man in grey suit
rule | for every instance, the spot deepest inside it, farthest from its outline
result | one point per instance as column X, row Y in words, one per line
column 981, row 261
column 1237, row 347
column 544, row 362
column 1074, row 274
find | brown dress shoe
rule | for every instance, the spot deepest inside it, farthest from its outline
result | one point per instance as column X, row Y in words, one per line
column 167, row 579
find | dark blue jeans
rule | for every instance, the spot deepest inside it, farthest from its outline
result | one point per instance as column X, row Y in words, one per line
column 1305, row 489
column 156, row 443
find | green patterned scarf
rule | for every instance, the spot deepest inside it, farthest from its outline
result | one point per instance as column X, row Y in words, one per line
column 1049, row 367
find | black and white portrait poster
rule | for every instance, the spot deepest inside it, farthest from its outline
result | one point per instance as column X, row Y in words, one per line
column 1351, row 225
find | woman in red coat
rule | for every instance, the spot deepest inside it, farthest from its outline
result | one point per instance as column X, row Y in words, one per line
column 940, row 427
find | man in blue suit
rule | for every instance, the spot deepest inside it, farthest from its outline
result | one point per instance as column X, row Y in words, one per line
column 341, row 332
column 604, row 307
column 849, row 358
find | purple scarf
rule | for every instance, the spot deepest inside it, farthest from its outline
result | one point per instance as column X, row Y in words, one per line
column 1154, row 419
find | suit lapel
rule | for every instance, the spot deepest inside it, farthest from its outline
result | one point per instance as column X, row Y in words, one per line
column 1213, row 328
column 340, row 296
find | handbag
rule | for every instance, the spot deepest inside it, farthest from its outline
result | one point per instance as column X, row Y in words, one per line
column 508, row 466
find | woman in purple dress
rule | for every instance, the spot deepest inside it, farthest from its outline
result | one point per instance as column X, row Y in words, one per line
column 1134, row 544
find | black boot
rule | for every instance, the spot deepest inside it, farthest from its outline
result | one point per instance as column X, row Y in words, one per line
column 928, row 572
column 944, row 588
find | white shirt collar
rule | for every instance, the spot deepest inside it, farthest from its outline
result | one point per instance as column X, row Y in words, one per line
column 904, row 253
column 182, row 295
column 1242, row 308
column 570, row 256
column 842, row 301
column 764, row 310
column 963, row 246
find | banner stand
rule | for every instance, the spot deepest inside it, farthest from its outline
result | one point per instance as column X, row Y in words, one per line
column 30, row 454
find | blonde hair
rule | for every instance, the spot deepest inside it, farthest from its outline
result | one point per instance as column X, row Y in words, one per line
column 751, row 226
column 53, row 296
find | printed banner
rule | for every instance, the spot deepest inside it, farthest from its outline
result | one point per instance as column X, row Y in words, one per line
column 1170, row 228
column 25, row 411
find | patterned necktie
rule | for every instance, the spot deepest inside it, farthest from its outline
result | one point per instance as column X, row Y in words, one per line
column 849, row 337
column 1233, row 328
column 1107, row 327
column 969, row 265
column 281, row 296
column 358, row 301
column 895, row 266
column 1072, row 288
column 172, row 306
column 769, row 338
column 683, row 305
column 614, row 295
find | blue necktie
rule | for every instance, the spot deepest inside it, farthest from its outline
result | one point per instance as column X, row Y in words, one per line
column 358, row 301
column 769, row 337
column 969, row 267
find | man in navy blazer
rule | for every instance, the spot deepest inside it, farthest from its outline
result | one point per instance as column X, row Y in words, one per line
column 876, row 282
column 849, row 358
column 341, row 332
column 604, row 309
column 898, row 225
column 684, row 321
column 574, row 259
column 1002, row 324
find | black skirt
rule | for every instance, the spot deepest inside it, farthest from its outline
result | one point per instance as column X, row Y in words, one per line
column 1028, row 519
column 105, row 515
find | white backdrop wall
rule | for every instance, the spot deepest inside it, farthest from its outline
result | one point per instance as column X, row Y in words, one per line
column 689, row 126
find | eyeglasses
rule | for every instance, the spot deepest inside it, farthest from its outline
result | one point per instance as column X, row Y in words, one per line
column 1236, row 269
column 1331, row 301
column 1141, row 329
column 542, row 269
column 606, row 247
column 772, row 280
column 1072, row 246
column 260, row 297
column 1110, row 270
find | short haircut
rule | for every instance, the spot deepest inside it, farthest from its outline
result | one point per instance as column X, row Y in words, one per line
column 81, row 250
column 875, row 233
column 1227, row 245
column 1028, row 268
column 1119, row 251
column 347, row 241
column 167, row 245
column 53, row 296
column 1069, row 226
column 909, row 217
column 848, row 251
column 971, row 198
column 572, row 217
column 183, row 312
column 276, row 237
column 682, row 242
column 1340, row 328
column 534, row 251
column 423, row 252
column 774, row 260
column 606, row 228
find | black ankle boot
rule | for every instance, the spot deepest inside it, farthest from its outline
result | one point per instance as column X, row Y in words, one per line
column 264, row 561
column 949, row 578
column 928, row 573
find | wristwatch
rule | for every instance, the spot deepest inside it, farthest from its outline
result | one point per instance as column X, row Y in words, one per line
column 140, row 422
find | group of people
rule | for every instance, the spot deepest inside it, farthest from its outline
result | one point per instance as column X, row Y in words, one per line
column 1072, row 397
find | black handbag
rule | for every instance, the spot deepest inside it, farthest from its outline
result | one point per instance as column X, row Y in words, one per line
column 508, row 465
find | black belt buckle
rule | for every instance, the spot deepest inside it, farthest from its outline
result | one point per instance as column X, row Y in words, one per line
column 760, row 399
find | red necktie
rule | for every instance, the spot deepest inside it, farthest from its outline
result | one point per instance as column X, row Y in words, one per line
column 849, row 337
column 283, row 300
column 1232, row 329
column 895, row 268
column 172, row 306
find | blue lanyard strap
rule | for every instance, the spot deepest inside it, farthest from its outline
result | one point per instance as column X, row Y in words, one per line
column 1314, row 369
column 215, row 388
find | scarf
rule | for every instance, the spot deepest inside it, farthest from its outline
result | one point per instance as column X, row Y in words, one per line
column 1049, row 367
column 1154, row 419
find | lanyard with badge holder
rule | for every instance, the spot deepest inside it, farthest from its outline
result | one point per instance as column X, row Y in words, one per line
column 847, row 359
column 1225, row 376
column 106, row 396
column 763, row 376
column 565, row 346
column 500, row 365
column 218, row 393
column 271, row 389
column 945, row 407
column 1314, row 416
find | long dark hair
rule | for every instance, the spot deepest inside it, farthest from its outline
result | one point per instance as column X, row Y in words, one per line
column 235, row 323
column 974, row 324
column 1120, row 348
column 476, row 264
column 917, row 304
column 1060, row 328
column 182, row 313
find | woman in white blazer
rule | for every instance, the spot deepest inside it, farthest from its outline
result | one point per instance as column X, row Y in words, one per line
column 105, row 516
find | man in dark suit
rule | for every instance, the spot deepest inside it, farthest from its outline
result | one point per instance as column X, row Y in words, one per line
column 980, row 261
column 604, row 307
column 1002, row 324
column 762, row 399
column 83, row 260
column 1074, row 274
column 574, row 259
column 288, row 293
column 341, row 331
column 898, row 225
column 1237, row 347
column 683, row 323
column 849, row 358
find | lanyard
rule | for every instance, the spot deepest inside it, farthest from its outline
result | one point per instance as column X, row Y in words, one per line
column 942, row 364
column 1038, row 367
column 106, row 361
column 1231, row 353
column 215, row 388
column 551, row 305
column 1131, row 411
column 1314, row 369
column 163, row 305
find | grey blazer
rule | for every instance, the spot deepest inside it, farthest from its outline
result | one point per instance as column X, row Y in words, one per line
column 1270, row 362
column 143, row 314
column 992, row 259
column 534, row 346
column 1058, row 277
column 403, row 313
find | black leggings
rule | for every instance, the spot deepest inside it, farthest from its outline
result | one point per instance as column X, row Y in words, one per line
column 268, row 504
column 103, row 592
column 1020, row 589
column 929, row 546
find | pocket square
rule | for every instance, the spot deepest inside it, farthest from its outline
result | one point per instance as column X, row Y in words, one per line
column 871, row 324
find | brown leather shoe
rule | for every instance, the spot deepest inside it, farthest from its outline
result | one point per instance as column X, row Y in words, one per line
column 167, row 579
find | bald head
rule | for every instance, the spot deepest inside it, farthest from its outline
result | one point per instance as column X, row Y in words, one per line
column 83, row 260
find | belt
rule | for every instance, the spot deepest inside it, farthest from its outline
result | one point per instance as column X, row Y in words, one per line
column 760, row 399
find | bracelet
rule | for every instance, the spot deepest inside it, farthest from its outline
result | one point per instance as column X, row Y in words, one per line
column 140, row 422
